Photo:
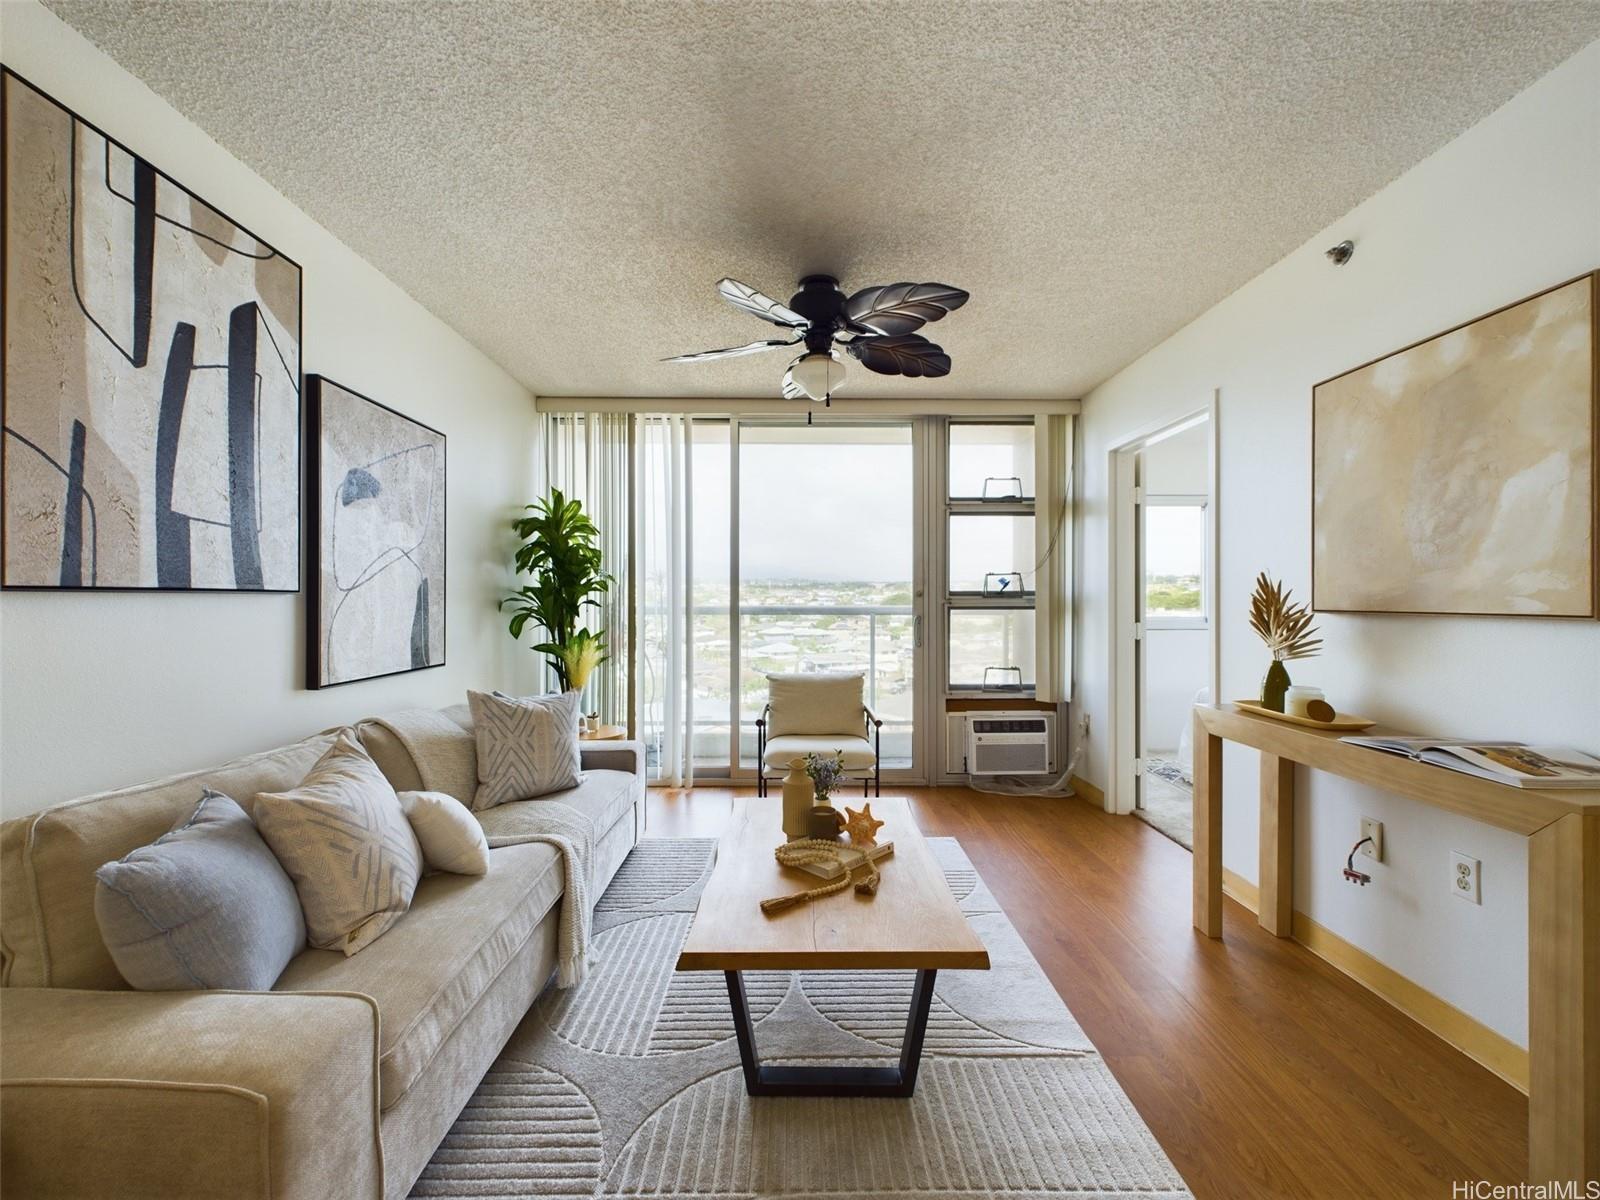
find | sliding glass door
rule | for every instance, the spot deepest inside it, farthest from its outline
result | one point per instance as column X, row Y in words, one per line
column 771, row 547
column 825, row 567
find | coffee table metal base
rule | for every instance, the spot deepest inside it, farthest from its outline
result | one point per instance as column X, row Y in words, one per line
column 775, row 1080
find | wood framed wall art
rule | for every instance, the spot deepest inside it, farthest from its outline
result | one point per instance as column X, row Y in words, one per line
column 1458, row 475
column 151, row 392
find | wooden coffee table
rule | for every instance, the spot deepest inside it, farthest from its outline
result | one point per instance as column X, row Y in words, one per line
column 913, row 922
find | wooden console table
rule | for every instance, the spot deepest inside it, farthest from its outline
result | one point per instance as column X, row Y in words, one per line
column 1563, row 832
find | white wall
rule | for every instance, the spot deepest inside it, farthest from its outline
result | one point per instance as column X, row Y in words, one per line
column 109, row 689
column 1176, row 465
column 1508, row 208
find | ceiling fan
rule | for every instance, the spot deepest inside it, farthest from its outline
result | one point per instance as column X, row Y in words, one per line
column 876, row 327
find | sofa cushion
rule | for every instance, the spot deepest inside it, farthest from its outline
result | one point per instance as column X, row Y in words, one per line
column 48, row 860
column 816, row 703
column 444, row 736
column 601, row 800
column 345, row 841
column 855, row 751
column 427, row 973
column 205, row 905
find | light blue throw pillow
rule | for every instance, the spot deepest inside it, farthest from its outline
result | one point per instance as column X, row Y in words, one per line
column 205, row 905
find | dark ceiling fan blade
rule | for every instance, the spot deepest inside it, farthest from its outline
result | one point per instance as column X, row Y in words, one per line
column 893, row 308
column 758, row 304
column 732, row 351
column 901, row 354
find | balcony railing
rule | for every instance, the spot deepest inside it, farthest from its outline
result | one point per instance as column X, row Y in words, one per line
column 712, row 751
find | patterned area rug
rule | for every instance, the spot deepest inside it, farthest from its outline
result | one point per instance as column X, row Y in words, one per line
column 630, row 1083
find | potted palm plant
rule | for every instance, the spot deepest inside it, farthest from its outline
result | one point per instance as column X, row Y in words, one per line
column 560, row 551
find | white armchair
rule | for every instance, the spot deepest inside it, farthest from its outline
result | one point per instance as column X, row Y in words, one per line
column 818, row 714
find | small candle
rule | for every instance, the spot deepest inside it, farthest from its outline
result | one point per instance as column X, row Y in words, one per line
column 1297, row 697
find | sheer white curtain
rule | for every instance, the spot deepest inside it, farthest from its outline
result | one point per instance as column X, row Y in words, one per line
column 664, row 647
column 1052, row 530
column 586, row 455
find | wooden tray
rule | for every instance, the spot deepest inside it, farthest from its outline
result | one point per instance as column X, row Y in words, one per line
column 1341, row 721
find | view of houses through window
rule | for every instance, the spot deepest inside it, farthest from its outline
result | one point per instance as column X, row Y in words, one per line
column 824, row 569
column 791, row 548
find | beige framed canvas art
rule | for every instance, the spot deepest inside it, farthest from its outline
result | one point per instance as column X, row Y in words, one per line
column 1458, row 475
column 150, row 381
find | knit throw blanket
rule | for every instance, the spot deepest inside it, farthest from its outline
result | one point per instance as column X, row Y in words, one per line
column 446, row 758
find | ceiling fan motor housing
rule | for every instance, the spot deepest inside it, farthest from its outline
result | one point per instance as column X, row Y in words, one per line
column 820, row 301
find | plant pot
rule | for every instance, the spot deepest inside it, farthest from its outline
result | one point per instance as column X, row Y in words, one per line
column 1274, row 685
column 823, row 823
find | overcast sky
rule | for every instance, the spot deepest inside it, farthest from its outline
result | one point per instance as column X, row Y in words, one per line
column 816, row 510
column 808, row 512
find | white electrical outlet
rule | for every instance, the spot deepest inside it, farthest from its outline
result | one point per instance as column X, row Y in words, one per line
column 1374, row 830
column 1465, row 877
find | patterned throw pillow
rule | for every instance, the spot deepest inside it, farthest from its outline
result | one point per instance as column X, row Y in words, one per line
column 345, row 841
column 527, row 746
column 205, row 905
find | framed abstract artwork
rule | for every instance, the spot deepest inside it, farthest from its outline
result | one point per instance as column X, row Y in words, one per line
column 1457, row 475
column 151, row 373
column 377, row 595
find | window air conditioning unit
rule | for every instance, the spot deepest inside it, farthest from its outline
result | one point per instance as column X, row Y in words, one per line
column 1009, row 743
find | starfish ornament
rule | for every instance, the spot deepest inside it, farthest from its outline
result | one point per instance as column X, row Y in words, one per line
column 862, row 826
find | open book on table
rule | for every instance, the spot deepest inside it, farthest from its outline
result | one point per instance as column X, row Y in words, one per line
column 1504, row 762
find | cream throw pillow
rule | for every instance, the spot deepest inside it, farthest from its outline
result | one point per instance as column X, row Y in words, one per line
column 527, row 746
column 450, row 836
column 345, row 841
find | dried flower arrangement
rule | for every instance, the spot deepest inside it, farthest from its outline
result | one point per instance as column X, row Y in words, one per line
column 1286, row 629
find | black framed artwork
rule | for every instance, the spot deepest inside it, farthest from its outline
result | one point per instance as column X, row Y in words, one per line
column 150, row 401
column 376, row 604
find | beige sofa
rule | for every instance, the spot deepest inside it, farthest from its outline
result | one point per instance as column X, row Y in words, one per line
column 342, row 1080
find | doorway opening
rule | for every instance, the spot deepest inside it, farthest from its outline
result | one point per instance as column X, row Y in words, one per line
column 1165, row 635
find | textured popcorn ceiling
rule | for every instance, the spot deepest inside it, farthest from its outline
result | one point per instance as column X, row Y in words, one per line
column 565, row 183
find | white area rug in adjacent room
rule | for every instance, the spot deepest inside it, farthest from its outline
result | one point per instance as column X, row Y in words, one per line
column 630, row 1083
column 1166, row 800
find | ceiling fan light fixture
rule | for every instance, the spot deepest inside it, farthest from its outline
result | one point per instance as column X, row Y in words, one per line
column 818, row 375
column 875, row 327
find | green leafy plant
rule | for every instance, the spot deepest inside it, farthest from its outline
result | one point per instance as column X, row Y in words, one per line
column 559, row 550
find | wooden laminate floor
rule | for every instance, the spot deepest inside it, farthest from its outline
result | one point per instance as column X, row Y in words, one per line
column 1263, row 1071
